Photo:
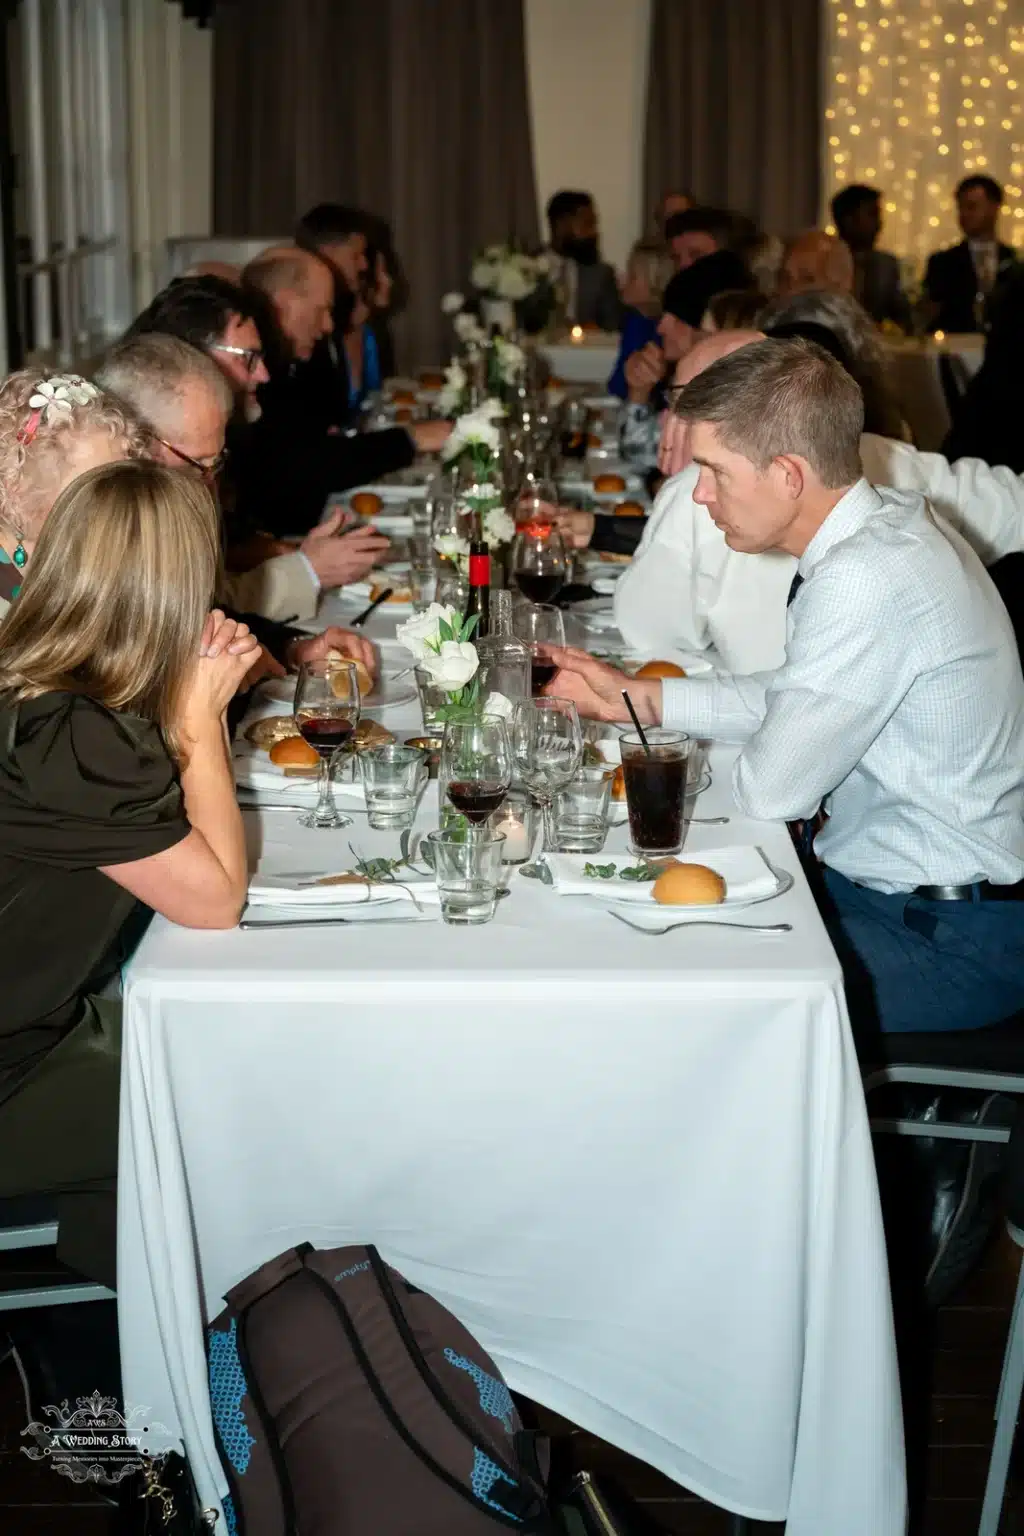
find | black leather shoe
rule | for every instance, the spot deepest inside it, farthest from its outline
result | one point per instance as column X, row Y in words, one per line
column 964, row 1211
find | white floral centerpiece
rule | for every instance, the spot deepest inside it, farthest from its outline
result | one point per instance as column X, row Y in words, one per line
column 440, row 641
column 474, row 446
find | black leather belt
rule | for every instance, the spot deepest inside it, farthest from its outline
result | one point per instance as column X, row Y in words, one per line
column 983, row 891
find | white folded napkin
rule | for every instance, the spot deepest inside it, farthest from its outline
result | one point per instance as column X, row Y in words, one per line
column 266, row 890
column 745, row 871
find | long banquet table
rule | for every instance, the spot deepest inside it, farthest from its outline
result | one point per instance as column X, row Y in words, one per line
column 639, row 1169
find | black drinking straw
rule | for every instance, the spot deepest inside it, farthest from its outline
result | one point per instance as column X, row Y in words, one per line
column 636, row 722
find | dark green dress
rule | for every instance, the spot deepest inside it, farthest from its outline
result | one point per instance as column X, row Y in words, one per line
column 80, row 787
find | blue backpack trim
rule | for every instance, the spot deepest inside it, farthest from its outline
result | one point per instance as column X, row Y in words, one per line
column 227, row 1388
column 495, row 1397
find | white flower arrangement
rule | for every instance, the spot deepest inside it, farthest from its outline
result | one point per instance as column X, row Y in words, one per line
column 453, row 547
column 452, row 303
column 499, row 272
column 476, row 432
column 453, row 391
column 440, row 641
column 469, row 330
column 498, row 528
column 511, row 360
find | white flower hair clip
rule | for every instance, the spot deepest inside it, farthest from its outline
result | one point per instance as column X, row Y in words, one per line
column 54, row 400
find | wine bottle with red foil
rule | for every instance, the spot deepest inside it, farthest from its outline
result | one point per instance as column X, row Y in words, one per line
column 479, row 601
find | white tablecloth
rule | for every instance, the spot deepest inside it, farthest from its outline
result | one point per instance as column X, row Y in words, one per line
column 917, row 382
column 589, row 361
column 638, row 1168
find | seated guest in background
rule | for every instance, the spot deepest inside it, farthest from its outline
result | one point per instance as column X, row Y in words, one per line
column 587, row 284
column 290, row 461
column 669, row 204
column 362, row 353
column 340, row 237
column 735, row 309
column 687, row 590
column 224, row 270
column 960, row 281
column 43, row 447
column 116, row 789
column 697, row 233
column 863, row 352
column 877, row 284
column 815, row 260
column 215, row 316
column 648, row 270
column 899, row 706
column 184, row 402
column 684, row 304
column 762, row 256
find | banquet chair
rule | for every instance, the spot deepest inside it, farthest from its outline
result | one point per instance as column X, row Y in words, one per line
column 1012, row 1382
column 991, row 1060
column 31, row 1222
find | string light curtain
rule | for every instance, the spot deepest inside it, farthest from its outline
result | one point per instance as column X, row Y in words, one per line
column 918, row 94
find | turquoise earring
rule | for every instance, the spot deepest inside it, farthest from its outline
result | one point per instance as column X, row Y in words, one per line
column 19, row 559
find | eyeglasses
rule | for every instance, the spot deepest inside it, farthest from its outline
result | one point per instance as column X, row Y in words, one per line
column 207, row 472
column 251, row 356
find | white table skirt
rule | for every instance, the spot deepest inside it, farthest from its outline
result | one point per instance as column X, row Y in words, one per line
column 589, row 361
column 917, row 383
column 638, row 1169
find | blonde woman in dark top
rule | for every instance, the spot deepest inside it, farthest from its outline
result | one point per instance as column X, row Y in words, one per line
column 115, row 789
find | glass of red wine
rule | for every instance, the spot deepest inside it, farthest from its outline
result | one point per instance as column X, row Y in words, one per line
column 539, row 626
column 540, row 565
column 327, row 713
column 476, row 766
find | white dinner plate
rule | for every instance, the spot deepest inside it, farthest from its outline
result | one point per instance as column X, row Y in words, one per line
column 385, row 694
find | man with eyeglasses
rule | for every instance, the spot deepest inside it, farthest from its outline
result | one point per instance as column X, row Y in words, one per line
column 185, row 401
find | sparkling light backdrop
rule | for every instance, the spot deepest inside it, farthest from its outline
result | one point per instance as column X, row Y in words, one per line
column 918, row 94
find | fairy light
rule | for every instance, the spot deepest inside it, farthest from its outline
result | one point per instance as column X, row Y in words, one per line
column 914, row 121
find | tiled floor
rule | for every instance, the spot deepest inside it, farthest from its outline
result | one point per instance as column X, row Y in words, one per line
column 965, row 1360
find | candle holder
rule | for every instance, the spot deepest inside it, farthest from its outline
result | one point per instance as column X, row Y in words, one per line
column 518, row 819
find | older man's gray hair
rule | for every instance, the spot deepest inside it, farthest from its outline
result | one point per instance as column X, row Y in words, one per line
column 775, row 398
column 158, row 377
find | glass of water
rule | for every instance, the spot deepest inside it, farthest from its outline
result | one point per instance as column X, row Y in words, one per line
column 579, row 812
column 392, row 779
column 467, row 864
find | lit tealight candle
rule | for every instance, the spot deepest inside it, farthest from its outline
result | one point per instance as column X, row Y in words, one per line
column 516, row 819
column 577, row 333
column 940, row 335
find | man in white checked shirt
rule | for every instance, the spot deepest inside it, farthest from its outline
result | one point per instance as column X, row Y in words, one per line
column 899, row 708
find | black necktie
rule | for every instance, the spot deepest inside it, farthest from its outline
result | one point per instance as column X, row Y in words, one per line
column 794, row 587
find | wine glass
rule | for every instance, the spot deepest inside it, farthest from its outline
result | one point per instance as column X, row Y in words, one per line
column 547, row 749
column 476, row 766
column 535, row 502
column 326, row 713
column 538, row 625
column 540, row 564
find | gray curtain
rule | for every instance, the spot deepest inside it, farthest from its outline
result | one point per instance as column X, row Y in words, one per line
column 416, row 110
column 734, row 107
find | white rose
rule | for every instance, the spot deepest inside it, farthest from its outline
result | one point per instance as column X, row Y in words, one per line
column 450, row 546
column 496, row 704
column 420, row 633
column 452, row 303
column 482, row 275
column 467, row 327
column 512, row 284
column 498, row 527
column 454, row 664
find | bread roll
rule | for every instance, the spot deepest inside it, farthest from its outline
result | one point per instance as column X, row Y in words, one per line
column 264, row 733
column 398, row 594
column 607, row 484
column 430, row 380
column 363, row 677
column 403, row 397
column 295, row 756
column 403, row 415
column 629, row 509
column 689, row 885
column 659, row 669
column 370, row 734
column 366, row 503
column 619, row 784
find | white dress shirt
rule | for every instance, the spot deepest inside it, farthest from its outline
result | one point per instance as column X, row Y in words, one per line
column 686, row 590
column 900, row 705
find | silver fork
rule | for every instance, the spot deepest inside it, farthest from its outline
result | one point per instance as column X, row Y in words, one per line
column 703, row 922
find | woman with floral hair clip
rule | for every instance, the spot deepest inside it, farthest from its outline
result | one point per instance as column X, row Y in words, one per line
column 52, row 429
